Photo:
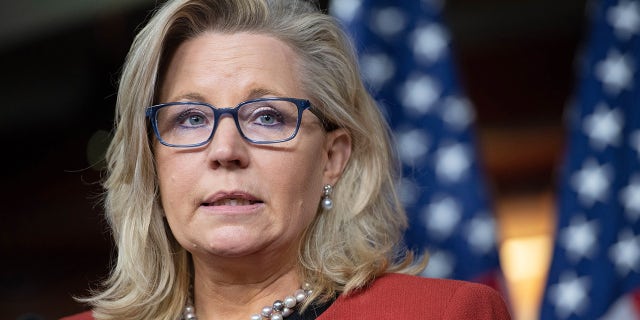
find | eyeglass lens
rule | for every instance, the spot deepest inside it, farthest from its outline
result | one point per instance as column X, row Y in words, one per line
column 258, row 121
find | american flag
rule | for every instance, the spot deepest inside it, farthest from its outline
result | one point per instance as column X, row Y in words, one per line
column 405, row 58
column 595, row 269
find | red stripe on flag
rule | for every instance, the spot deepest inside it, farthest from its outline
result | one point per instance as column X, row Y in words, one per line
column 635, row 297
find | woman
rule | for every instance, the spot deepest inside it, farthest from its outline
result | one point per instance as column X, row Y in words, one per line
column 251, row 168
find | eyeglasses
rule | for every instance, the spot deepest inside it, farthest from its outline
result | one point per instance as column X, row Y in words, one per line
column 259, row 121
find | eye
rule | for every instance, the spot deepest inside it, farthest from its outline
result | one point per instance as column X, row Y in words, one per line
column 267, row 117
column 195, row 120
column 191, row 118
column 264, row 115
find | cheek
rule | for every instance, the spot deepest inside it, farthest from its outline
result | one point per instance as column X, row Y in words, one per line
column 165, row 170
column 302, row 179
column 175, row 181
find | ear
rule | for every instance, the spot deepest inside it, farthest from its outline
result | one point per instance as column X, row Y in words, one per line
column 338, row 150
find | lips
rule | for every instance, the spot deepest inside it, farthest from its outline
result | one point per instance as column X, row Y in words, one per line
column 231, row 199
column 233, row 202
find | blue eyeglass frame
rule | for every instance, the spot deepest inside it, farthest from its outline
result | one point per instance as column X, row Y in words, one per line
column 302, row 104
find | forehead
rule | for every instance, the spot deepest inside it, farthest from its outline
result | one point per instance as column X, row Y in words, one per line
column 232, row 62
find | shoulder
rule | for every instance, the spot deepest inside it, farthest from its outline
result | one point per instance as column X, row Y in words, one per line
column 395, row 296
column 87, row 315
column 407, row 284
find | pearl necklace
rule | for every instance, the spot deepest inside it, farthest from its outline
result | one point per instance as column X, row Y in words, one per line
column 278, row 311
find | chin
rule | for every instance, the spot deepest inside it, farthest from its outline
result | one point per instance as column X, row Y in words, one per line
column 236, row 243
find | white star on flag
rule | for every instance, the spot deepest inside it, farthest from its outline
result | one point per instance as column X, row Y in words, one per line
column 413, row 145
column 452, row 162
column 579, row 238
column 604, row 126
column 345, row 10
column 570, row 294
column 429, row 43
column 457, row 112
column 630, row 198
column 441, row 216
column 615, row 72
column 440, row 265
column 592, row 182
column 419, row 93
column 481, row 233
column 377, row 69
column 408, row 192
column 625, row 18
column 389, row 21
column 626, row 253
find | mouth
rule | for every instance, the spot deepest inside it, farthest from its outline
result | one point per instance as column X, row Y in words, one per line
column 232, row 202
column 231, row 199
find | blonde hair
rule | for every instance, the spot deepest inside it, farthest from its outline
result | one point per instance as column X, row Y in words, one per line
column 343, row 250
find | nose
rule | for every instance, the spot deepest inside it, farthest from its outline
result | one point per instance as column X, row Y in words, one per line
column 227, row 148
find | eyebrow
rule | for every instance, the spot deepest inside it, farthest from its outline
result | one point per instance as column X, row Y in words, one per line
column 253, row 94
column 261, row 92
column 191, row 96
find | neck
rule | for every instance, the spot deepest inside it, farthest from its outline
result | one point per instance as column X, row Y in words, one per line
column 237, row 288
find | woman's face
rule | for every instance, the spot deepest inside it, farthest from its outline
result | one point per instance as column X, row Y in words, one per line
column 231, row 198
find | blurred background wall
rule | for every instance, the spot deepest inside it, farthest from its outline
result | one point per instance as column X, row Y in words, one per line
column 59, row 64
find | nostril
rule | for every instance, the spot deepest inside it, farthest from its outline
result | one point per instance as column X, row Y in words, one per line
column 229, row 163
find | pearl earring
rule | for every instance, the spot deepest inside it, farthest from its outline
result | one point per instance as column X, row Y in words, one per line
column 327, row 203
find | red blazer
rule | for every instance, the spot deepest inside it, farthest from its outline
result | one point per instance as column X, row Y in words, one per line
column 397, row 296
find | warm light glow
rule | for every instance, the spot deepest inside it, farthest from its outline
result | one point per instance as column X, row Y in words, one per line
column 525, row 261
column 526, row 257
column 526, row 227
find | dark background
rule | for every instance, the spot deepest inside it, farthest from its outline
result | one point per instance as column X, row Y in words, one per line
column 515, row 59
